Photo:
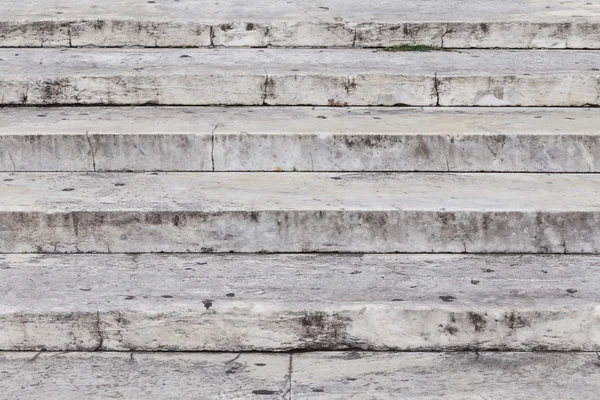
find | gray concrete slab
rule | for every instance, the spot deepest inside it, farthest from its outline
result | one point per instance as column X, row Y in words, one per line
column 299, row 139
column 298, row 77
column 161, row 23
column 195, row 302
column 299, row 212
column 449, row 376
column 74, row 376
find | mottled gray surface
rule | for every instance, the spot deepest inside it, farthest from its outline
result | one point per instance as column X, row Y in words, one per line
column 298, row 77
column 139, row 376
column 299, row 212
column 162, row 23
column 285, row 302
column 446, row 376
column 299, row 139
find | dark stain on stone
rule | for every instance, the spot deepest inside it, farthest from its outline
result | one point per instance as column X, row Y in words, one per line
column 166, row 296
column 447, row 299
column 514, row 321
column 544, row 271
column 42, row 115
column 336, row 178
column 318, row 390
column 249, row 26
column 175, row 220
column 230, row 295
column 129, row 297
column 68, row 189
column 484, row 28
column 322, row 117
column 207, row 250
column 355, row 272
column 260, row 364
column 8, row 180
column 474, row 282
column 451, row 330
column 264, row 392
column 85, row 289
column 254, row 216
column 185, row 56
column 54, row 89
column 323, row 329
column 571, row 291
column 202, row 263
column 487, row 270
column 207, row 304
column 397, row 299
column 478, row 321
column 119, row 184
column 351, row 379
column 226, row 27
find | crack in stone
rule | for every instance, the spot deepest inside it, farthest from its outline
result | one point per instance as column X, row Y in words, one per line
column 100, row 334
column 211, row 34
column 212, row 150
column 436, row 89
column 92, row 149
column 36, row 356
column 12, row 162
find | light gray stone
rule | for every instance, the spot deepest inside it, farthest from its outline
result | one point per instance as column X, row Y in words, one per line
column 139, row 376
column 446, row 376
column 288, row 302
column 298, row 77
column 299, row 212
column 347, row 23
column 299, row 139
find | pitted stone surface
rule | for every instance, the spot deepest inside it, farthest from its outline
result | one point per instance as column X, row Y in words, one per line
column 284, row 302
column 298, row 77
column 347, row 23
column 299, row 139
column 299, row 212
column 449, row 376
column 139, row 376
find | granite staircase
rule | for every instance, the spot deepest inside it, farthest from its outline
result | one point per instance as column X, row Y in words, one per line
column 300, row 199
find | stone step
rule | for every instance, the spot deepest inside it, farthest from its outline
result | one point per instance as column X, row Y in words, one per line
column 299, row 212
column 346, row 23
column 299, row 139
column 334, row 77
column 447, row 376
column 140, row 376
column 196, row 302
column 331, row 375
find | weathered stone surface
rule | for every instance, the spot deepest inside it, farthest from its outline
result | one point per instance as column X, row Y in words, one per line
column 284, row 302
column 347, row 23
column 299, row 212
column 74, row 376
column 298, row 77
column 299, row 139
column 449, row 376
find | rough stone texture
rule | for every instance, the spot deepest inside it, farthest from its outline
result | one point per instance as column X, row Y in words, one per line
column 298, row 77
column 456, row 23
column 299, row 139
column 299, row 212
column 139, row 376
column 286, row 302
column 449, row 376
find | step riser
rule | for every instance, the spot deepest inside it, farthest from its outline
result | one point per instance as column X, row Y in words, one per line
column 318, row 90
column 298, row 231
column 128, row 33
column 300, row 152
column 239, row 326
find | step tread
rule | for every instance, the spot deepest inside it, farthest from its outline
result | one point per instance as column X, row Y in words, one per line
column 297, row 77
column 282, row 302
column 300, row 139
column 299, row 212
column 450, row 376
column 309, row 23
column 336, row 375
column 301, row 191
column 97, row 375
